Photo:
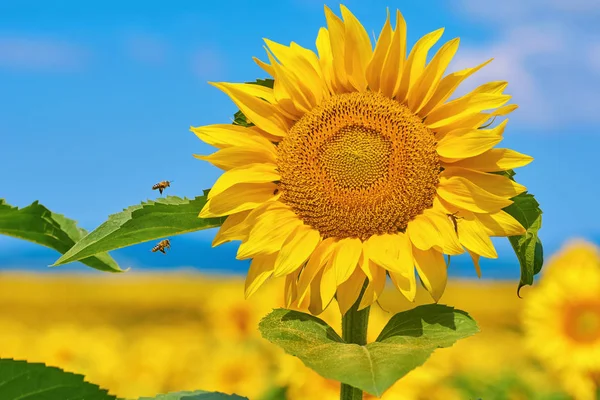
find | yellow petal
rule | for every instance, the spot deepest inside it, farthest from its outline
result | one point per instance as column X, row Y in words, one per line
column 433, row 271
column 262, row 113
column 242, row 228
column 391, row 251
column 261, row 268
column 495, row 184
column 375, row 67
column 266, row 67
column 393, row 66
column 328, row 286
column 232, row 229
column 259, row 91
column 495, row 160
column 348, row 292
column 406, row 284
column 383, row 251
column 317, row 260
column 309, row 56
column 375, row 286
column 463, row 108
column 268, row 234
column 325, row 58
column 474, row 121
column 475, row 257
column 287, row 91
column 446, row 87
column 465, row 194
column 300, row 65
column 358, row 50
column 238, row 197
column 316, row 306
column 337, row 42
column 415, row 65
column 345, row 258
column 449, row 239
column 501, row 224
column 224, row 136
column 463, row 143
column 422, row 233
column 425, row 86
column 290, row 288
column 234, row 157
column 495, row 87
column 251, row 173
column 296, row 250
column 472, row 235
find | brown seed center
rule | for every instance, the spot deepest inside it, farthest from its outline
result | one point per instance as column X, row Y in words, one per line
column 360, row 164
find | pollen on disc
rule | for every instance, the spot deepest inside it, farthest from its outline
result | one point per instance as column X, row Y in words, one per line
column 360, row 164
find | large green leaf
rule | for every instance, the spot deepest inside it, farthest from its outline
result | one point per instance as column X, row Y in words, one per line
column 20, row 380
column 151, row 220
column 37, row 224
column 405, row 343
column 195, row 395
column 528, row 247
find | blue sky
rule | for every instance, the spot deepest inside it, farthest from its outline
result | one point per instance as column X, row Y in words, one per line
column 96, row 98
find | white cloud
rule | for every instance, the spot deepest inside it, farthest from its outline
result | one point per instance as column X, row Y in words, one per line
column 545, row 53
column 146, row 48
column 594, row 57
column 41, row 54
column 208, row 64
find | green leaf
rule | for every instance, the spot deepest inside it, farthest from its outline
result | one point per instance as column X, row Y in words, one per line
column 37, row 224
column 151, row 220
column 263, row 82
column 195, row 395
column 528, row 247
column 509, row 173
column 20, row 380
column 239, row 118
column 405, row 343
column 275, row 393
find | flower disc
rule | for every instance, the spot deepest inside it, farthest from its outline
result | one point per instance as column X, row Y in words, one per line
column 358, row 165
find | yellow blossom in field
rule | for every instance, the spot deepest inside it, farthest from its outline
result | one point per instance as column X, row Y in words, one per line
column 562, row 318
column 357, row 166
column 156, row 329
column 242, row 369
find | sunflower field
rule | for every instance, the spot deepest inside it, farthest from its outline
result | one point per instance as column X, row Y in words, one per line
column 144, row 334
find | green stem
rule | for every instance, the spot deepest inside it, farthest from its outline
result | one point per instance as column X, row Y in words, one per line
column 354, row 330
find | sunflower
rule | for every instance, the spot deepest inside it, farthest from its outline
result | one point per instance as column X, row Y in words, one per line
column 357, row 166
column 561, row 317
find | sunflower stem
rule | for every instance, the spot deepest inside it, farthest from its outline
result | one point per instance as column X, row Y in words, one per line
column 354, row 330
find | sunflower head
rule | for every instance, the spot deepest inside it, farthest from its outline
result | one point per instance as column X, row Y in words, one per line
column 562, row 315
column 358, row 165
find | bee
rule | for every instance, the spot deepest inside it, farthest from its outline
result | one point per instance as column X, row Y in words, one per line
column 162, row 186
column 161, row 246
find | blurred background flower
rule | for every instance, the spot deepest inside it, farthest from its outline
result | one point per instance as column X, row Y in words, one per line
column 562, row 318
column 142, row 334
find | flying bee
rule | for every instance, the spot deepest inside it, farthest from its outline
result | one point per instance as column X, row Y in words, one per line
column 162, row 186
column 161, row 246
